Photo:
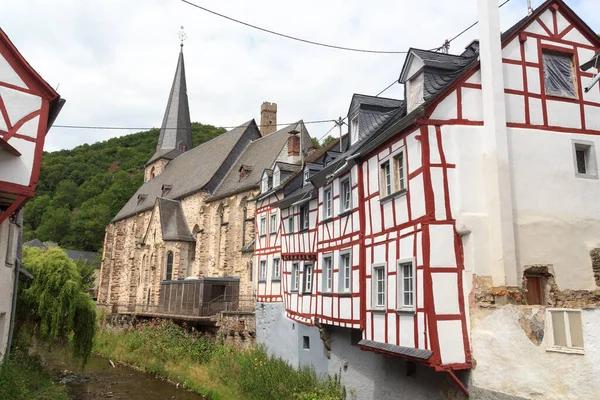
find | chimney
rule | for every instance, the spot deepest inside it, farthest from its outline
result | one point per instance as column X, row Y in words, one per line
column 268, row 118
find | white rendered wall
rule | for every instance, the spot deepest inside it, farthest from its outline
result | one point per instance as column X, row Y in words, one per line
column 7, row 273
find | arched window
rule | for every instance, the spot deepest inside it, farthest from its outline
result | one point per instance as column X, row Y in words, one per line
column 152, row 173
column 169, row 266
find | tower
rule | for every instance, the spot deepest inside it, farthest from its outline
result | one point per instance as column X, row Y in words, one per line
column 268, row 118
column 175, row 132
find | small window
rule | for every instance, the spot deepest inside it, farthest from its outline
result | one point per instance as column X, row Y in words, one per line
column 406, row 286
column 304, row 222
column 182, row 146
column 354, row 129
column 276, row 269
column 291, row 224
column 327, row 203
column 584, row 158
column 294, row 283
column 263, row 226
column 567, row 330
column 169, row 266
column 306, row 176
column 399, row 176
column 415, row 91
column 379, row 287
column 345, row 284
column 276, row 178
column 308, row 278
column 386, row 179
column 152, row 173
column 327, row 274
column 345, row 195
column 559, row 74
column 305, row 342
column 265, row 184
column 273, row 224
column 262, row 271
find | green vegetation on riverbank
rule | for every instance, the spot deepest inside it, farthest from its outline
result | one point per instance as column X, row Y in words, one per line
column 218, row 371
column 23, row 377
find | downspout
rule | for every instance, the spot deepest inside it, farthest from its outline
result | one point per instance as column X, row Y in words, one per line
column 17, row 267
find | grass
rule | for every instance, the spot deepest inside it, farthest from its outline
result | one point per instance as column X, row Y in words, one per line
column 221, row 372
column 24, row 378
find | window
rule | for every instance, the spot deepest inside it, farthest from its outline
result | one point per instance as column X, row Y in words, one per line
column 294, row 283
column 559, row 74
column 305, row 342
column 415, row 91
column 345, row 284
column 273, row 224
column 169, row 266
column 406, row 285
column 345, row 195
column 262, row 272
column 152, row 173
column 306, row 176
column 327, row 274
column 386, row 179
column 379, row 286
column 276, row 178
column 400, row 177
column 567, row 331
column 584, row 158
column 182, row 146
column 263, row 227
column 166, row 189
column 354, row 129
column 264, row 184
column 276, row 269
column 327, row 203
column 291, row 224
column 304, row 217
column 308, row 278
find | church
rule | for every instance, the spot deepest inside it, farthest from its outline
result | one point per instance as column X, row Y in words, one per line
column 193, row 218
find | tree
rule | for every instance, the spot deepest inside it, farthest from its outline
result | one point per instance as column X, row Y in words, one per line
column 55, row 300
column 56, row 224
column 35, row 210
column 315, row 143
column 328, row 140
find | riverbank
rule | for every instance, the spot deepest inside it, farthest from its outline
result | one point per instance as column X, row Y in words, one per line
column 221, row 372
column 24, row 377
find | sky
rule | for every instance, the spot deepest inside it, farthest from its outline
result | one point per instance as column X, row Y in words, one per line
column 114, row 60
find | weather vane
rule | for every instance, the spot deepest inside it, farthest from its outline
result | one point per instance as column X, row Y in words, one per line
column 182, row 35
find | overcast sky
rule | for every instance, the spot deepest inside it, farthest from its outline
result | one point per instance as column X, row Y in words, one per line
column 114, row 60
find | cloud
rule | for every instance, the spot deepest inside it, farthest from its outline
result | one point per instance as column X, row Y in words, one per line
column 115, row 60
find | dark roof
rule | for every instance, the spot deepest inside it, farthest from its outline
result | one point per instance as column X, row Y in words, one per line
column 391, row 349
column 287, row 167
column 192, row 170
column 176, row 126
column 172, row 221
column 35, row 243
column 86, row 256
column 261, row 154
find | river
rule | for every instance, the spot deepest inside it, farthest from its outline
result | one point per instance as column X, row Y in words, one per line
column 99, row 380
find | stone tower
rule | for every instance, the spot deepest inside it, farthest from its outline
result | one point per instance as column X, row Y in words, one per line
column 176, row 131
column 268, row 118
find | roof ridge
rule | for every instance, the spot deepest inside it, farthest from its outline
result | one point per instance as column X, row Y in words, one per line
column 277, row 131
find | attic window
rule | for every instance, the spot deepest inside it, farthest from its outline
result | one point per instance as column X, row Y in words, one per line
column 414, row 91
column 141, row 198
column 354, row 129
column 306, row 176
column 276, row 178
column 166, row 189
column 559, row 74
column 265, row 184
column 182, row 146
column 244, row 171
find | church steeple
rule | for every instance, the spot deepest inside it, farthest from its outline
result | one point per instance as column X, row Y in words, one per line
column 175, row 132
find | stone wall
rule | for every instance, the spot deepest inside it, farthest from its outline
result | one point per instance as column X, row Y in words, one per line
column 237, row 328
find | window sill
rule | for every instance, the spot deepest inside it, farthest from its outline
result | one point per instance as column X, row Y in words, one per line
column 328, row 219
column 406, row 310
column 586, row 176
column 275, row 280
column 566, row 350
column 393, row 196
column 559, row 97
column 306, row 293
column 345, row 294
column 303, row 230
column 378, row 310
column 346, row 212
column 263, row 235
column 273, row 233
column 262, row 280
column 328, row 294
column 294, row 291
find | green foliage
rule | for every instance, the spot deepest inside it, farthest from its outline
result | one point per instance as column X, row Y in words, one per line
column 55, row 300
column 316, row 143
column 328, row 140
column 219, row 371
column 23, row 377
column 81, row 190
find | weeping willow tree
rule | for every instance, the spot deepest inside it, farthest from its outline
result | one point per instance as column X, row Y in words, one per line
column 55, row 300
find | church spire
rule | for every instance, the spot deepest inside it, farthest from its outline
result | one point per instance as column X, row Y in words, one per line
column 175, row 132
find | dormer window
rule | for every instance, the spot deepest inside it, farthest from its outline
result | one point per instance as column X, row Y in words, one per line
column 354, row 129
column 264, row 187
column 276, row 177
column 306, row 176
column 414, row 91
column 141, row 198
column 182, row 146
column 166, row 189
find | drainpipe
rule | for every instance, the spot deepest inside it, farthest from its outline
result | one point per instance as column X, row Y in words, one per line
column 495, row 150
column 17, row 266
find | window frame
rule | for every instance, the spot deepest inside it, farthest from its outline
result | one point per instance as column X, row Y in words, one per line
column 308, row 272
column 273, row 225
column 264, row 184
column 276, row 276
column 262, row 271
column 399, row 158
column 342, row 273
column 291, row 223
column 169, row 274
column 343, row 194
column 304, row 219
column 416, row 80
column 375, row 306
column 327, row 279
column 400, row 264
column 354, row 129
column 382, row 178
column 574, row 79
column 295, row 277
column 552, row 346
column 262, row 228
column 392, row 162
column 306, row 177
column 327, row 191
column 276, row 177
column 590, row 158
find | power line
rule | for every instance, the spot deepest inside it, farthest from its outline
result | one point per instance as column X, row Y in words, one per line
column 331, row 46
column 389, row 86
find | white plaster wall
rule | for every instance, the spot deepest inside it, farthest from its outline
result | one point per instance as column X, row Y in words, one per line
column 507, row 361
column 6, row 283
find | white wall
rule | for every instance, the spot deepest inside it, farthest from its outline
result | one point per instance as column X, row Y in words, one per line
column 6, row 281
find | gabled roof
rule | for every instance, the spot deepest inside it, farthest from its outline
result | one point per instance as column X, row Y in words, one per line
column 172, row 221
column 372, row 112
column 203, row 166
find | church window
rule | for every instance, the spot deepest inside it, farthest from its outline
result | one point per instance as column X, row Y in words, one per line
column 169, row 266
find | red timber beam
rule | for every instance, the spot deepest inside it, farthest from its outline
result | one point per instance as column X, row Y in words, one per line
column 12, row 208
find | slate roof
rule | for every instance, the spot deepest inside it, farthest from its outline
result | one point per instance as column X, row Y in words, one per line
column 86, row 256
column 410, row 352
column 261, row 154
column 176, row 126
column 192, row 170
column 172, row 221
column 35, row 243
column 287, row 167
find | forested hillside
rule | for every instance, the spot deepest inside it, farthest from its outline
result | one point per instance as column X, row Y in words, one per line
column 81, row 190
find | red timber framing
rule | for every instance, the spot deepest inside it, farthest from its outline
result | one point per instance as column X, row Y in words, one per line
column 267, row 248
column 34, row 85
